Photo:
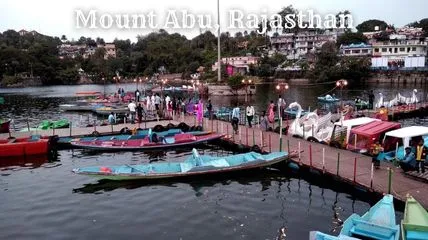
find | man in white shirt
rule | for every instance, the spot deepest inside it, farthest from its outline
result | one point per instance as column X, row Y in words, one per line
column 250, row 114
column 152, row 102
column 132, row 108
column 281, row 105
column 235, row 119
column 167, row 100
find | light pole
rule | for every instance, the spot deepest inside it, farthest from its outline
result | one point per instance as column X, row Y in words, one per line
column 246, row 82
column 281, row 87
column 341, row 84
column 163, row 82
column 104, row 82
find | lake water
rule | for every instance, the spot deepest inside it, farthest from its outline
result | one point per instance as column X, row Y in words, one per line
column 45, row 200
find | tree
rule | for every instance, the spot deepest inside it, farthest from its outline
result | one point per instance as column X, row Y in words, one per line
column 370, row 25
column 339, row 19
column 351, row 38
column 235, row 81
column 284, row 12
column 63, row 38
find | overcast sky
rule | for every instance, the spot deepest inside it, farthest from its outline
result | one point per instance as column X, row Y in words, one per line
column 55, row 18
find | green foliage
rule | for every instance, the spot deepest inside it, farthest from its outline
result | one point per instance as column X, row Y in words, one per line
column 351, row 38
column 235, row 81
column 329, row 67
column 369, row 25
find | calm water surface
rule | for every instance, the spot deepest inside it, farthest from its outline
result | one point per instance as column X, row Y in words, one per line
column 45, row 200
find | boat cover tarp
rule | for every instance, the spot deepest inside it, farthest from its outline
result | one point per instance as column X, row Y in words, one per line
column 374, row 128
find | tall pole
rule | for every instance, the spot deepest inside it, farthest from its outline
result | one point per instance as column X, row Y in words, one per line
column 218, row 42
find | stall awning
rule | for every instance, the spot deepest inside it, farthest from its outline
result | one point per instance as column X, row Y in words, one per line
column 375, row 128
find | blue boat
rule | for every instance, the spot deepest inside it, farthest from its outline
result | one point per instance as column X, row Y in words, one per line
column 328, row 98
column 377, row 223
column 315, row 235
column 194, row 165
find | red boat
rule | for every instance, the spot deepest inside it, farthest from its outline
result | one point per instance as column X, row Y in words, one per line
column 23, row 147
column 4, row 126
column 178, row 140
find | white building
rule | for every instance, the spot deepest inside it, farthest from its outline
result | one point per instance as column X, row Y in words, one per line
column 398, row 51
column 297, row 45
column 356, row 50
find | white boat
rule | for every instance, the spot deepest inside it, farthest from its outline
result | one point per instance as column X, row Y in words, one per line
column 311, row 126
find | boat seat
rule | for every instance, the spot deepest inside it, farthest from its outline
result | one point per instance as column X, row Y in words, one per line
column 416, row 235
column 216, row 163
column 186, row 166
column 368, row 229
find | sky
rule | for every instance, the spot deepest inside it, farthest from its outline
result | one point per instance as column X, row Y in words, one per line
column 57, row 18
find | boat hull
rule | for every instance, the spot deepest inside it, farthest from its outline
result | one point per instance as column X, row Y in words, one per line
column 136, row 145
column 414, row 226
column 23, row 147
column 202, row 171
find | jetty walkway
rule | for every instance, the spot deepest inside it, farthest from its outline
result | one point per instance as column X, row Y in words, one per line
column 347, row 166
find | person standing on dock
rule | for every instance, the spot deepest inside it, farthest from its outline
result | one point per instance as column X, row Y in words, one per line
column 140, row 111
column 152, row 102
column 250, row 115
column 420, row 156
column 376, row 150
column 210, row 109
column 148, row 103
column 371, row 99
column 264, row 125
column 132, row 108
column 137, row 95
column 111, row 119
column 271, row 112
column 157, row 102
column 281, row 105
column 235, row 119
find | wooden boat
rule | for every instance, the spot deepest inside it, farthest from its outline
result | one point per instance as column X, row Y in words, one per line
column 4, row 126
column 178, row 140
column 80, row 107
column 328, row 98
column 141, row 134
column 15, row 147
column 88, row 93
column 108, row 110
column 414, row 225
column 194, row 165
column 377, row 223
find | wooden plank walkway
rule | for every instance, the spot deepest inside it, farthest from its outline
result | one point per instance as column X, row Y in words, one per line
column 343, row 168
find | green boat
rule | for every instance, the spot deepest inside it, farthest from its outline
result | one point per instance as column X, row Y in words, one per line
column 1, row 100
column 46, row 124
column 414, row 226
